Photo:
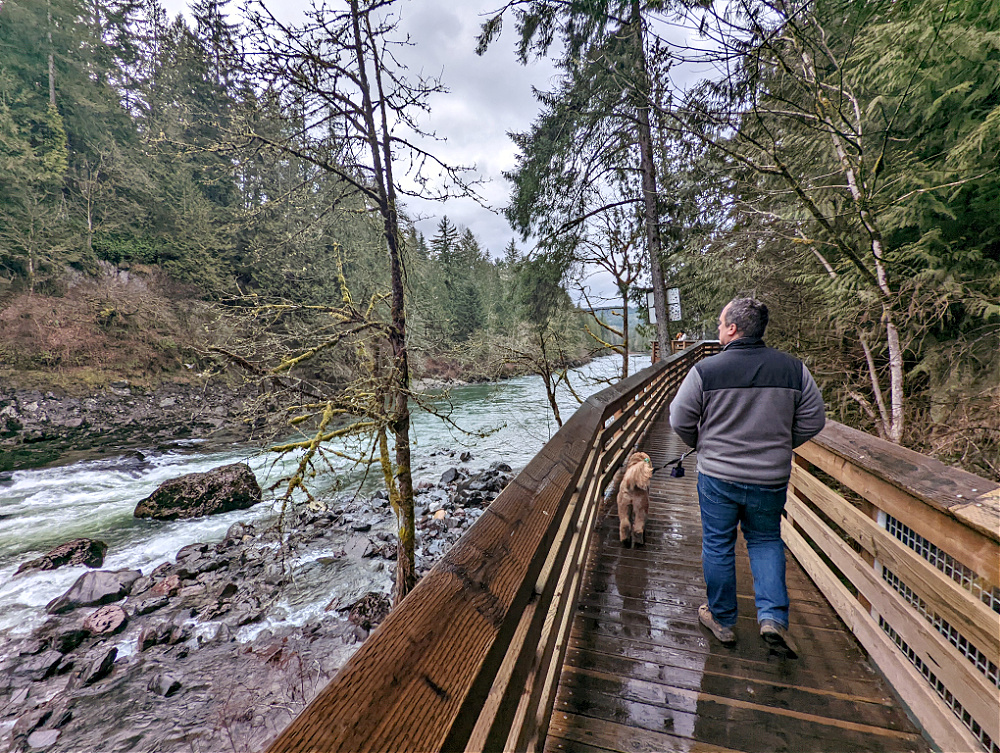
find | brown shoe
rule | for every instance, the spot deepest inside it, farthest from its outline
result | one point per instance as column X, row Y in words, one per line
column 776, row 636
column 725, row 635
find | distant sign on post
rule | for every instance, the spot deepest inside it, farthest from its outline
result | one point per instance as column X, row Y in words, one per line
column 674, row 304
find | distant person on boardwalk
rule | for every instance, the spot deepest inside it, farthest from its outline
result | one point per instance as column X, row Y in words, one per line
column 744, row 410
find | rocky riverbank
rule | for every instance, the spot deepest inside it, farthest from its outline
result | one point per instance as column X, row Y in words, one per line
column 206, row 653
column 51, row 427
column 37, row 428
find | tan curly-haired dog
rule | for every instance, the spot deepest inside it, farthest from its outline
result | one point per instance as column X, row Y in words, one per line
column 633, row 499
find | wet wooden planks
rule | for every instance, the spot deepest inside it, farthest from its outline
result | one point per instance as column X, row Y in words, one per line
column 642, row 675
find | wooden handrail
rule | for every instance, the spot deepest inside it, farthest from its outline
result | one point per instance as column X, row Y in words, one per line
column 471, row 658
column 907, row 549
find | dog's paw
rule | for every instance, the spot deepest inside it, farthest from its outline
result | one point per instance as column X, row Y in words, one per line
column 638, row 538
column 625, row 533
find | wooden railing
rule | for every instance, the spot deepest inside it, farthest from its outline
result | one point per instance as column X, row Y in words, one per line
column 470, row 660
column 906, row 549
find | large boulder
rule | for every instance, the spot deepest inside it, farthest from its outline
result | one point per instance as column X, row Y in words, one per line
column 100, row 668
column 76, row 552
column 229, row 487
column 484, row 486
column 94, row 589
column 43, row 738
column 38, row 667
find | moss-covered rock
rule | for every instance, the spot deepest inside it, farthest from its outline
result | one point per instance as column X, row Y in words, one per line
column 229, row 487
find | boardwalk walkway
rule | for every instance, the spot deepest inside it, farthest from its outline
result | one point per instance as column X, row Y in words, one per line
column 642, row 675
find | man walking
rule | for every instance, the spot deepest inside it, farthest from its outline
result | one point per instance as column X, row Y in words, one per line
column 744, row 410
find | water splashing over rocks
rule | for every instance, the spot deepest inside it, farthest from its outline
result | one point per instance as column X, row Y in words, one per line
column 200, row 655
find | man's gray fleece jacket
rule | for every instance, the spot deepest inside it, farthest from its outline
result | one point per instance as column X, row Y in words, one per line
column 745, row 409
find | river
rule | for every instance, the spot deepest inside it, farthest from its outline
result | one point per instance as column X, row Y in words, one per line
column 507, row 421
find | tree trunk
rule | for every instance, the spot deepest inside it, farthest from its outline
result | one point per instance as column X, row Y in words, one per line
column 399, row 424
column 648, row 169
column 625, row 347
column 860, row 195
column 550, row 388
column 90, row 219
column 406, row 574
column 52, row 63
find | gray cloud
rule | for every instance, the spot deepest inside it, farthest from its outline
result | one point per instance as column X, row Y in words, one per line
column 489, row 96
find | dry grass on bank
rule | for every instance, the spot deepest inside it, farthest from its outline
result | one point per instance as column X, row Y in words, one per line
column 118, row 325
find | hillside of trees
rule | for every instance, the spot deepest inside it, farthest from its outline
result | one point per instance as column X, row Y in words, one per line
column 153, row 204
column 839, row 160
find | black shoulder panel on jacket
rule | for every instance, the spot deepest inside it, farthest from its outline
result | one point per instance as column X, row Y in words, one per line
column 750, row 367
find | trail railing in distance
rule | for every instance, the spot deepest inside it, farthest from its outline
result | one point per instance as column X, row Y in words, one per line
column 907, row 550
column 470, row 660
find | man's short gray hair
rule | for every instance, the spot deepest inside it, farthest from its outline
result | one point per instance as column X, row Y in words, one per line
column 749, row 315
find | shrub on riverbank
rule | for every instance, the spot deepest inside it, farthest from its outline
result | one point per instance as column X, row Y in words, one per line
column 115, row 325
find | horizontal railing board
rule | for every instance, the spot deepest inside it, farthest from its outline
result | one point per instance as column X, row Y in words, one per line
column 626, row 439
column 955, row 512
column 969, row 685
column 538, row 623
column 946, row 598
column 531, row 724
column 969, row 546
column 646, row 406
column 939, row 722
column 964, row 681
column 615, row 396
column 928, row 479
column 476, row 585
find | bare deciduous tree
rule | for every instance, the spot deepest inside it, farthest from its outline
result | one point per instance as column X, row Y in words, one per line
column 358, row 111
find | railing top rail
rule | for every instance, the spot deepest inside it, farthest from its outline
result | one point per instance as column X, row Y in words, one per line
column 971, row 499
column 617, row 394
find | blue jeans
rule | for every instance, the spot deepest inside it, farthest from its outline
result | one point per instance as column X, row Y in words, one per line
column 757, row 509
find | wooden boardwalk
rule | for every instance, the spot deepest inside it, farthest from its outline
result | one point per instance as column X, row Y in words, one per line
column 642, row 675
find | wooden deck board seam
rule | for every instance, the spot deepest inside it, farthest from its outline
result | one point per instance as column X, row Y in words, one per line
column 849, row 697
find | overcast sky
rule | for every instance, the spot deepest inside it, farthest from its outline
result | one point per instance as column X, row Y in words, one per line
column 488, row 97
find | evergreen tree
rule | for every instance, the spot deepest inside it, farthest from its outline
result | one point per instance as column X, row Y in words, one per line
column 599, row 114
column 471, row 268
column 445, row 251
column 444, row 242
column 220, row 40
column 545, row 308
column 33, row 139
column 859, row 142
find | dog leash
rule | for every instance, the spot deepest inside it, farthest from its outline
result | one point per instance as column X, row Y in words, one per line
column 678, row 470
